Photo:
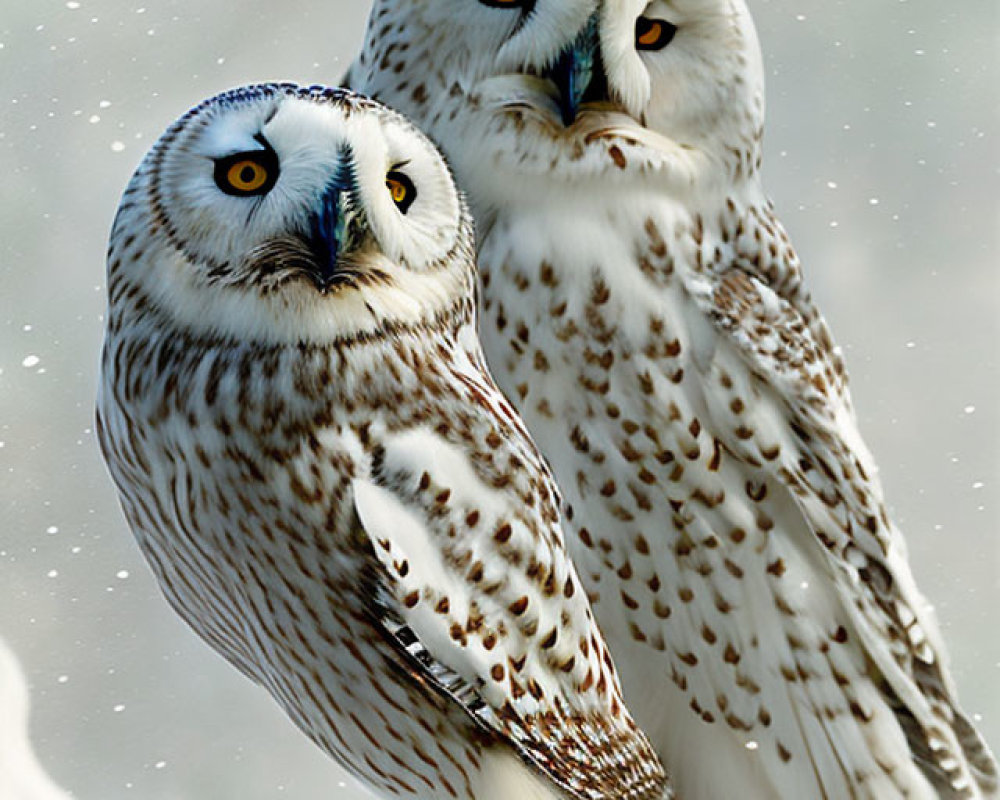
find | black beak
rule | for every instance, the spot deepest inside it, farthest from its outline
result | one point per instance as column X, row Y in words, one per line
column 326, row 236
column 576, row 69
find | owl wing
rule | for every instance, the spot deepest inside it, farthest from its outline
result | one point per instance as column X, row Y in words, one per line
column 793, row 375
column 483, row 603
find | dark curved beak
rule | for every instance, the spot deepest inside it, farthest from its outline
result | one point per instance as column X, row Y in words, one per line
column 326, row 236
column 576, row 70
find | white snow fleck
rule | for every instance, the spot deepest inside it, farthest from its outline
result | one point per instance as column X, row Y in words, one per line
column 752, row 745
column 104, row 104
column 831, row 184
column 30, row 361
column 63, row 679
column 160, row 764
column 53, row 573
column 970, row 409
column 122, row 574
column 117, row 146
column 978, row 485
column 52, row 529
column 118, row 709
column 94, row 119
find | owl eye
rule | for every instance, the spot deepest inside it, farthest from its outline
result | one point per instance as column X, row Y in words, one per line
column 653, row 34
column 247, row 174
column 401, row 189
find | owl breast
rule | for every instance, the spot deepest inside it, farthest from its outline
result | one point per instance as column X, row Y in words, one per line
column 239, row 493
column 701, row 567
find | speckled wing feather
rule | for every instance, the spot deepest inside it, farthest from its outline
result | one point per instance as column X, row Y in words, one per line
column 494, row 618
column 774, row 344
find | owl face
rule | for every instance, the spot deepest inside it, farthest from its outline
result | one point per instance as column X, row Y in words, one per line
column 546, row 91
column 279, row 202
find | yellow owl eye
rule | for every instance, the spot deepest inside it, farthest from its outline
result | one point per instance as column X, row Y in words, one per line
column 401, row 189
column 397, row 190
column 653, row 34
column 247, row 174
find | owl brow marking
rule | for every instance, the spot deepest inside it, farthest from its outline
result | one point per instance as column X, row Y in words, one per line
column 267, row 120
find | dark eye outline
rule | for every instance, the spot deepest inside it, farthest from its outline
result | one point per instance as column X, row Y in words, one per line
column 403, row 180
column 645, row 26
column 265, row 159
column 524, row 5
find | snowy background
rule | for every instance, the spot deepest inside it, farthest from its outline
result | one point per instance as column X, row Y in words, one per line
column 883, row 161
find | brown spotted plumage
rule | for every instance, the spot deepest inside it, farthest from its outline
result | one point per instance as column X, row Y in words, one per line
column 644, row 310
column 320, row 471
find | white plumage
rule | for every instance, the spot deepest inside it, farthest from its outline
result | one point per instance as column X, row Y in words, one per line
column 645, row 311
column 324, row 478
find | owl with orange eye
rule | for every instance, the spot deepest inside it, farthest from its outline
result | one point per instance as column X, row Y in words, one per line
column 320, row 471
column 647, row 314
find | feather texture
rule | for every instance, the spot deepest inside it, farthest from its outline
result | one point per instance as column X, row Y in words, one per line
column 323, row 476
column 646, row 313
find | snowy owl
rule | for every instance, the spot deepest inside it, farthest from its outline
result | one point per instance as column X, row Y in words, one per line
column 322, row 474
column 644, row 310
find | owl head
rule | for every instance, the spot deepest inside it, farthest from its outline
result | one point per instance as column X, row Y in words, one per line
column 276, row 212
column 546, row 89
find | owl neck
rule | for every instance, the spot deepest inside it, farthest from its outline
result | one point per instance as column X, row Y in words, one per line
column 162, row 370
column 366, row 306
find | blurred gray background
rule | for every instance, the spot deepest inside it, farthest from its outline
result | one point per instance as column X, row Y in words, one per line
column 882, row 159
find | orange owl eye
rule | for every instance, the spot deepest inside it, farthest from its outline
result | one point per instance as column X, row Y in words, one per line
column 247, row 174
column 653, row 34
column 401, row 189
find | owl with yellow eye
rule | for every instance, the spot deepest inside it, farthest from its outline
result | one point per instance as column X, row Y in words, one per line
column 647, row 314
column 320, row 471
